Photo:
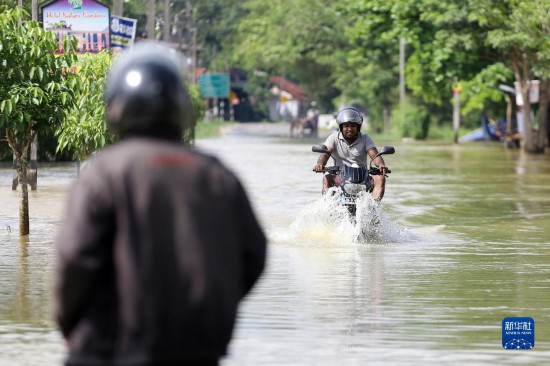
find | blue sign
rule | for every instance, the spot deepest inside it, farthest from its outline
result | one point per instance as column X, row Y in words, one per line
column 214, row 85
column 518, row 333
column 123, row 33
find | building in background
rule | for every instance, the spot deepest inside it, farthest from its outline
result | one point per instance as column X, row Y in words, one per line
column 289, row 100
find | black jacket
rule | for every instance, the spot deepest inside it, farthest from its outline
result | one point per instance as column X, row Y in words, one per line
column 159, row 246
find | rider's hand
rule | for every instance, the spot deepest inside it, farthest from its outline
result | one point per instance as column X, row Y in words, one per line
column 383, row 169
column 319, row 167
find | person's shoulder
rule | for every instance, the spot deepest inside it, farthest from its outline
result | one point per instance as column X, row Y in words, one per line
column 331, row 139
column 334, row 135
column 367, row 140
column 365, row 136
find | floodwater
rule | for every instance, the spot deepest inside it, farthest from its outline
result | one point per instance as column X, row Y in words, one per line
column 463, row 242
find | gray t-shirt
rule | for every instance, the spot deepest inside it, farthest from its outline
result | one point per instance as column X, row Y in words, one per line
column 351, row 155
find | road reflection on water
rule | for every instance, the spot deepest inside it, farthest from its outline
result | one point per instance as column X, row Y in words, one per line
column 463, row 244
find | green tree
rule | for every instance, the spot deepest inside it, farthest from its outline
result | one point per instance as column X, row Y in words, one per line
column 368, row 70
column 520, row 32
column 443, row 44
column 216, row 21
column 197, row 105
column 482, row 43
column 6, row 5
column 35, row 89
column 300, row 39
column 85, row 130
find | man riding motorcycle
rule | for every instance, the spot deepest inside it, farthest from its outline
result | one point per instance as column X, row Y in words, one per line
column 350, row 148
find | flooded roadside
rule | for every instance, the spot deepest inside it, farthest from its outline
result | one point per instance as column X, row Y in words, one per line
column 471, row 248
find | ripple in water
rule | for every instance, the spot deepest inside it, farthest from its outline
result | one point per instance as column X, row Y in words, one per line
column 325, row 221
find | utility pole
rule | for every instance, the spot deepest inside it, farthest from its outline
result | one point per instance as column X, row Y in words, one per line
column 179, row 28
column 215, row 108
column 166, row 27
column 188, row 31
column 402, row 95
column 401, row 71
column 151, row 19
column 194, row 57
column 118, row 7
column 457, row 88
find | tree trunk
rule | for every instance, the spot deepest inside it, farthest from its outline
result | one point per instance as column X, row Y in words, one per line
column 20, row 150
column 520, row 65
column 528, row 140
column 34, row 10
column 544, row 95
column 23, row 194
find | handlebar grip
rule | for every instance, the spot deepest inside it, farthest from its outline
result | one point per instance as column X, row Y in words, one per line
column 329, row 169
column 376, row 171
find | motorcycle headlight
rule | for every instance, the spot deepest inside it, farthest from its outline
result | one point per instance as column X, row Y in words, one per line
column 353, row 189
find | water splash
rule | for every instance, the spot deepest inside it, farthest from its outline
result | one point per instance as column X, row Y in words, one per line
column 326, row 221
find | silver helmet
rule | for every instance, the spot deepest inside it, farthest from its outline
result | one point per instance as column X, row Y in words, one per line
column 349, row 115
column 146, row 94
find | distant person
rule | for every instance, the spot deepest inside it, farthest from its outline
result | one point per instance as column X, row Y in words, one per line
column 312, row 116
column 350, row 148
column 160, row 243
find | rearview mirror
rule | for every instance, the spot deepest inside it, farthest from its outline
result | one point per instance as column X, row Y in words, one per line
column 386, row 150
column 320, row 149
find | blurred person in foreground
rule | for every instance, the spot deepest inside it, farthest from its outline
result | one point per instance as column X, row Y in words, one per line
column 160, row 243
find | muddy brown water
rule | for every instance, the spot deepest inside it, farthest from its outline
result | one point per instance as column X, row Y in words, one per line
column 464, row 242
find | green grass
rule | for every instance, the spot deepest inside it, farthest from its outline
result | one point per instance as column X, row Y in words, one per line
column 208, row 129
column 435, row 133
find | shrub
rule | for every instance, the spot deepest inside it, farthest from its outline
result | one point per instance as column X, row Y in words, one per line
column 412, row 121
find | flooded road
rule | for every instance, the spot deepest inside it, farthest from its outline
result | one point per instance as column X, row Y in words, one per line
column 464, row 243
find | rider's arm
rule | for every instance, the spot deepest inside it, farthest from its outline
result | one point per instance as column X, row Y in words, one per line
column 322, row 161
column 379, row 162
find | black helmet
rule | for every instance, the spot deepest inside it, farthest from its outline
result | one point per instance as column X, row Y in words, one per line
column 349, row 115
column 146, row 94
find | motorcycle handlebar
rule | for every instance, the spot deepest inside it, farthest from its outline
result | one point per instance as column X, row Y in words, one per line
column 336, row 169
column 328, row 169
column 376, row 171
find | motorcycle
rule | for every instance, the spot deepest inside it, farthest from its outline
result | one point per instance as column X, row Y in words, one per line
column 354, row 179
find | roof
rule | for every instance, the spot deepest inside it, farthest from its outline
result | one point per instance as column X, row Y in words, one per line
column 294, row 89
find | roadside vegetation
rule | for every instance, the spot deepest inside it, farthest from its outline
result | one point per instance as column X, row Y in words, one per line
column 348, row 51
column 209, row 128
column 36, row 90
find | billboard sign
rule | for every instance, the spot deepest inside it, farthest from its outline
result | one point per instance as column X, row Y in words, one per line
column 87, row 20
column 123, row 33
